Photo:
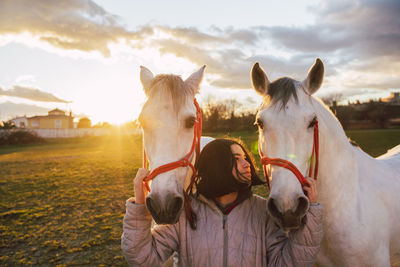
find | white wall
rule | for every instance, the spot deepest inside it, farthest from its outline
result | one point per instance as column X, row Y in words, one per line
column 70, row 133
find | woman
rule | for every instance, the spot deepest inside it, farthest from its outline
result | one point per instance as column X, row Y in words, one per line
column 233, row 227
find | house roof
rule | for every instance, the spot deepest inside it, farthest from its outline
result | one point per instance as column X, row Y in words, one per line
column 20, row 117
column 56, row 109
column 50, row 117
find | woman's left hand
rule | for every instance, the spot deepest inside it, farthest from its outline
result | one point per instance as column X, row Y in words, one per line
column 140, row 190
column 311, row 189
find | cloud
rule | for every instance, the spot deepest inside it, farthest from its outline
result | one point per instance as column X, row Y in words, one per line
column 218, row 37
column 359, row 42
column 355, row 39
column 229, row 64
column 232, row 66
column 83, row 25
column 360, row 28
column 30, row 93
column 67, row 24
column 371, row 80
column 355, row 36
column 9, row 110
column 314, row 38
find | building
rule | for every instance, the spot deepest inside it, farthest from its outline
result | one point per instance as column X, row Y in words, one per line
column 56, row 119
column 20, row 122
column 393, row 99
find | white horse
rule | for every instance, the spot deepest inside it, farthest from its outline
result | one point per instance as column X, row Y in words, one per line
column 360, row 194
column 167, row 120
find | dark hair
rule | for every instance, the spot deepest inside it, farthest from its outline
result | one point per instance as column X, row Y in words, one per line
column 214, row 168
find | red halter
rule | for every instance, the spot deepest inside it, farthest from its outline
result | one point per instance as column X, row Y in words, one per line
column 181, row 163
column 290, row 166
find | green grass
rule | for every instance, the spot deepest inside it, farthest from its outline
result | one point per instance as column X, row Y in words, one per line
column 375, row 142
column 62, row 202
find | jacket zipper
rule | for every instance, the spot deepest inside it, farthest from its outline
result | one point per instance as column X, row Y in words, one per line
column 225, row 227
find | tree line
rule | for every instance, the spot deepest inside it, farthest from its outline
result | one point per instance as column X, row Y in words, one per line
column 229, row 115
column 373, row 114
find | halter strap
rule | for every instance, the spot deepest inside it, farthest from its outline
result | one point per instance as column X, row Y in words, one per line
column 290, row 166
column 185, row 162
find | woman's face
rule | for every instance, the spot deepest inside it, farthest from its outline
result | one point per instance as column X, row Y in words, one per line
column 243, row 172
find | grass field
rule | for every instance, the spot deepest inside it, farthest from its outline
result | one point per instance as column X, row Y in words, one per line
column 62, row 202
column 375, row 142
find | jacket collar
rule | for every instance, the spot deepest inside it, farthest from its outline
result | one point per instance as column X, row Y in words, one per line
column 242, row 196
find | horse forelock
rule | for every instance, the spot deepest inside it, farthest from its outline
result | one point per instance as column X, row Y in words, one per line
column 165, row 85
column 281, row 90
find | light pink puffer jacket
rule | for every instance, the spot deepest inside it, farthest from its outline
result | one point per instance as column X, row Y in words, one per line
column 247, row 236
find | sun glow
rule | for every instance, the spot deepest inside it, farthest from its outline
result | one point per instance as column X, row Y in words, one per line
column 118, row 107
column 119, row 96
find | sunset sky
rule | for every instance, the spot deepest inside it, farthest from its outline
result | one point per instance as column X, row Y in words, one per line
column 84, row 55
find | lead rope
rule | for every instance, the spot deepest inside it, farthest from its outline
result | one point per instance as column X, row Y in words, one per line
column 190, row 214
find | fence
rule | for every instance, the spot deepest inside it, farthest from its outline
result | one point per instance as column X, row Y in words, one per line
column 71, row 133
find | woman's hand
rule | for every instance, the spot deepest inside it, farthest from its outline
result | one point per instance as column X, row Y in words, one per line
column 311, row 189
column 140, row 190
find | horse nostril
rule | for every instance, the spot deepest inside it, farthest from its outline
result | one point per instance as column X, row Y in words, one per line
column 176, row 205
column 302, row 206
column 273, row 209
column 152, row 206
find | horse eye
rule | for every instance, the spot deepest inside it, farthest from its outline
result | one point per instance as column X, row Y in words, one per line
column 259, row 123
column 312, row 122
column 189, row 122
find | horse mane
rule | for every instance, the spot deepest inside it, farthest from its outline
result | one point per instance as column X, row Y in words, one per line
column 325, row 113
column 164, row 84
column 281, row 90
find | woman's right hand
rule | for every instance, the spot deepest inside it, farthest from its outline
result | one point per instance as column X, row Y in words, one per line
column 311, row 189
column 140, row 190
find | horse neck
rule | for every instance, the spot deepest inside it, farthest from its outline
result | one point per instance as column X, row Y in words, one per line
column 338, row 170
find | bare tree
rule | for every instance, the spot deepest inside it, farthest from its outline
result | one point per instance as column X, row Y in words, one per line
column 331, row 99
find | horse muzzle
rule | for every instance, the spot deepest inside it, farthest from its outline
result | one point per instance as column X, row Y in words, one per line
column 290, row 218
column 165, row 211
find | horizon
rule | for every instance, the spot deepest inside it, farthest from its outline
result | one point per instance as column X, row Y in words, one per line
column 84, row 56
column 241, row 111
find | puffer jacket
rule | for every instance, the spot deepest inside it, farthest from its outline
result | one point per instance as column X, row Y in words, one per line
column 247, row 236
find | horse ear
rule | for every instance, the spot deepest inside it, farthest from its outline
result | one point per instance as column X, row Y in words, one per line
column 146, row 77
column 193, row 82
column 259, row 79
column 315, row 77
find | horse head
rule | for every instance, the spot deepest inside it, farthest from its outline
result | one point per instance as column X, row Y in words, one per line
column 167, row 119
column 286, row 120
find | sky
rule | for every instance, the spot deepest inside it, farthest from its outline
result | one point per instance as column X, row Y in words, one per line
column 84, row 56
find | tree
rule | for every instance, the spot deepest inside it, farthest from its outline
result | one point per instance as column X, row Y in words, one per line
column 329, row 99
column 7, row 125
column 84, row 123
column 377, row 112
column 226, row 115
